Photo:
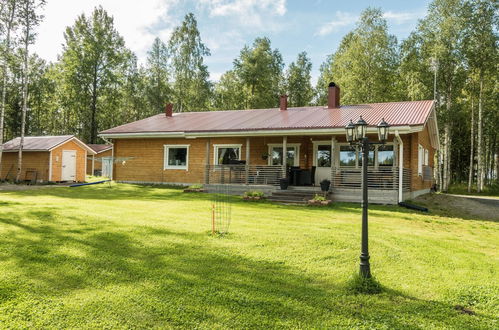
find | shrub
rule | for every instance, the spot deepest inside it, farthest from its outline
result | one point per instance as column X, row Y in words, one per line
column 318, row 197
column 255, row 193
column 195, row 186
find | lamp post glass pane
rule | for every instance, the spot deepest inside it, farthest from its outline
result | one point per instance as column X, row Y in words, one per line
column 360, row 128
column 350, row 131
column 382, row 133
column 383, row 130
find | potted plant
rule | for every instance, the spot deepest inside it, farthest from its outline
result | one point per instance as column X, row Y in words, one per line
column 265, row 156
column 325, row 184
column 284, row 183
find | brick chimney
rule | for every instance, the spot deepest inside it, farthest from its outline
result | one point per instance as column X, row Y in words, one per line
column 169, row 110
column 333, row 96
column 283, row 102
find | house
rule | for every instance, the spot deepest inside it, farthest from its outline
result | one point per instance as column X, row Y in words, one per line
column 253, row 149
column 100, row 163
column 46, row 158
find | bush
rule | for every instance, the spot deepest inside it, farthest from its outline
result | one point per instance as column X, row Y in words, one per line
column 360, row 284
column 195, row 186
column 255, row 193
column 319, row 198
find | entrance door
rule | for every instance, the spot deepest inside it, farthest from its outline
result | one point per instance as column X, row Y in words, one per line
column 68, row 165
column 107, row 163
column 322, row 161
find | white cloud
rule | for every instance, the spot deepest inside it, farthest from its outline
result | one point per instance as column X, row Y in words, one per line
column 341, row 19
column 402, row 17
column 250, row 13
column 132, row 19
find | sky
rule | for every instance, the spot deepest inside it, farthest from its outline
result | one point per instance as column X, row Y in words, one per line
column 293, row 26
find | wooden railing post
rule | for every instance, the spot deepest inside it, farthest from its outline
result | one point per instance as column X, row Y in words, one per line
column 247, row 160
column 207, row 162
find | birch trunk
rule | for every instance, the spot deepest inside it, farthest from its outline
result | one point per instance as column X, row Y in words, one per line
column 5, row 74
column 25, row 94
column 479, row 150
column 472, row 144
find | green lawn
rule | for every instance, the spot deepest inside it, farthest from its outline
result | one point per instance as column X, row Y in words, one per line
column 132, row 256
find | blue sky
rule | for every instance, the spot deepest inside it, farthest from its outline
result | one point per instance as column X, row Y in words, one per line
column 314, row 26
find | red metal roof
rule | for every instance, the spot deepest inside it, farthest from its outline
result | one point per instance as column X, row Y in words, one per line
column 99, row 147
column 36, row 143
column 410, row 113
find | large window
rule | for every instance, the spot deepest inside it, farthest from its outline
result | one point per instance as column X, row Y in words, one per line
column 276, row 153
column 370, row 158
column 176, row 157
column 227, row 154
column 386, row 156
column 347, row 156
column 383, row 155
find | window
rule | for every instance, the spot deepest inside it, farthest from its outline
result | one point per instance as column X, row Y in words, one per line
column 370, row 156
column 347, row 156
column 386, row 155
column 292, row 157
column 420, row 159
column 426, row 156
column 176, row 157
column 323, row 155
column 225, row 154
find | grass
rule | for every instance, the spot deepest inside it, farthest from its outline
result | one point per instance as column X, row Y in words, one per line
column 462, row 189
column 143, row 257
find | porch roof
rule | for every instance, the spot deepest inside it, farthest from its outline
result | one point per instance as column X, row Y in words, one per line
column 409, row 113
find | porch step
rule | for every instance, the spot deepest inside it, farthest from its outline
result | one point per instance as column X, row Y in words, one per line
column 293, row 196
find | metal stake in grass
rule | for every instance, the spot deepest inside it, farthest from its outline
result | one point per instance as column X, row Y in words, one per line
column 221, row 210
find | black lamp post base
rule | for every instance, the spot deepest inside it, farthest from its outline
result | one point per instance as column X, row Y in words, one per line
column 365, row 267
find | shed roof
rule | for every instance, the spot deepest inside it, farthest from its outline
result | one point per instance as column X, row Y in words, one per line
column 410, row 113
column 98, row 148
column 42, row 143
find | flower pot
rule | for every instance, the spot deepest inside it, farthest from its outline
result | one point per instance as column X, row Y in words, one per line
column 284, row 183
column 325, row 185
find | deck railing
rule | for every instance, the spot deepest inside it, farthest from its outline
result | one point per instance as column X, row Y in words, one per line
column 344, row 177
column 381, row 178
column 244, row 174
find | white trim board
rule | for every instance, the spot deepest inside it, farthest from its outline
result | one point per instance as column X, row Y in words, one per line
column 166, row 147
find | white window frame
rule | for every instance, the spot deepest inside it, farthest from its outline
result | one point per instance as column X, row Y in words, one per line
column 218, row 146
column 166, row 147
column 279, row 145
column 420, row 159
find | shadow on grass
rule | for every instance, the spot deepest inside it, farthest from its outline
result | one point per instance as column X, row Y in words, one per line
column 182, row 279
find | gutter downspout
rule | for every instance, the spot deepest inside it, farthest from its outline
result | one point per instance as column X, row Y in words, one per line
column 112, row 156
column 401, row 166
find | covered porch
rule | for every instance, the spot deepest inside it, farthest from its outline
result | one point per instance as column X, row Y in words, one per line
column 306, row 161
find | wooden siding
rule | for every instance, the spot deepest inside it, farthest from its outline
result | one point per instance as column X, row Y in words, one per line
column 147, row 156
column 38, row 161
column 422, row 138
column 98, row 161
column 81, row 154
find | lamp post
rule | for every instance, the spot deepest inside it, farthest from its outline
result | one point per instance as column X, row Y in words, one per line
column 356, row 135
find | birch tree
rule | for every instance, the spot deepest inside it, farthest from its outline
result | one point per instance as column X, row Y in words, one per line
column 29, row 18
column 298, row 85
column 8, row 17
column 480, row 48
column 191, row 87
